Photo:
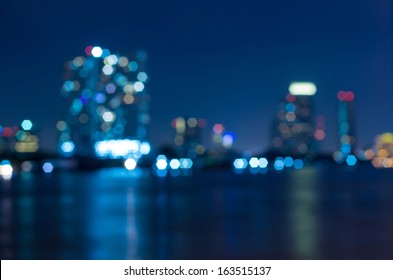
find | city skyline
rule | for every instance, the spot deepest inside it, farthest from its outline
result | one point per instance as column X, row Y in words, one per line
column 233, row 77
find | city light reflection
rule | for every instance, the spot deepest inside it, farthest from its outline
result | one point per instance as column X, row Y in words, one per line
column 6, row 169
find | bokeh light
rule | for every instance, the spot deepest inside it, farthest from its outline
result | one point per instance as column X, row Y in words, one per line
column 27, row 125
column 47, row 167
column 96, row 51
column 130, row 164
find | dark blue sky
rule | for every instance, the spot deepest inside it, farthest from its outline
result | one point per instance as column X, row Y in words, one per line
column 225, row 61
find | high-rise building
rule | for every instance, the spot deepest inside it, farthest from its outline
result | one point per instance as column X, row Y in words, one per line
column 108, row 107
column 293, row 131
column 346, row 125
column 188, row 139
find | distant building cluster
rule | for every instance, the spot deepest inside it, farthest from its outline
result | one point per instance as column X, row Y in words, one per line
column 189, row 138
column 381, row 154
column 296, row 131
column 18, row 139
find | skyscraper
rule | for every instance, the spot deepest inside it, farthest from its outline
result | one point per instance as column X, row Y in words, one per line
column 293, row 132
column 107, row 102
column 346, row 125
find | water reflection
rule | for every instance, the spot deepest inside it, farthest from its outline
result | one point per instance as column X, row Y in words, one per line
column 304, row 213
column 121, row 214
column 132, row 233
column 7, row 246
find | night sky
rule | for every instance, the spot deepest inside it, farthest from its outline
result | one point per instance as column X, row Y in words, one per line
column 225, row 61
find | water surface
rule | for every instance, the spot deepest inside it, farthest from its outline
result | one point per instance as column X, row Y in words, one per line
column 313, row 213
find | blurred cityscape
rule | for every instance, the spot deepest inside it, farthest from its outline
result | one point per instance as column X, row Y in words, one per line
column 196, row 130
column 112, row 194
column 106, row 119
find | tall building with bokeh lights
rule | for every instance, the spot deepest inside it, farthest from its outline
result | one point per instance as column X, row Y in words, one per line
column 293, row 131
column 107, row 105
column 345, row 125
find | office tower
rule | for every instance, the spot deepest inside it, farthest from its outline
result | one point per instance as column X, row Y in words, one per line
column 108, row 107
column 346, row 124
column 293, row 131
column 188, row 139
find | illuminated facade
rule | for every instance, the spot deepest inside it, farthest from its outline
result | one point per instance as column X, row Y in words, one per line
column 188, row 139
column 108, row 107
column 346, row 125
column 293, row 131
